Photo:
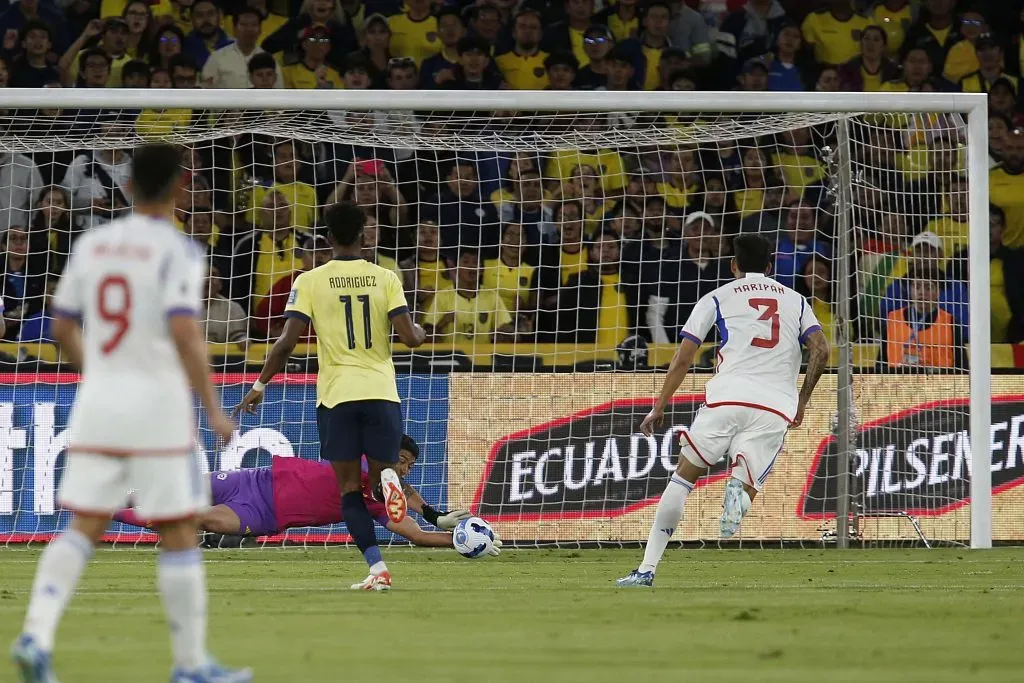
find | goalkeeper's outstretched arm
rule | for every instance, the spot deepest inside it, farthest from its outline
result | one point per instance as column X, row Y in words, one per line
column 817, row 358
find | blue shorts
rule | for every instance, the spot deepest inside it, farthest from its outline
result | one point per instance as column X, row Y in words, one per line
column 353, row 429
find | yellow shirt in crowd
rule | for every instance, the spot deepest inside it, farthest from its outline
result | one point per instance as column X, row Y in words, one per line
column 476, row 318
column 833, row 41
column 523, row 72
column 512, row 283
column 415, row 39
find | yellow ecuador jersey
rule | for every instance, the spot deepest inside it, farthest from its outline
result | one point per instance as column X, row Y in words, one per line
column 975, row 82
column 301, row 196
column 834, row 41
column 432, row 275
column 749, row 202
column 613, row 316
column 523, row 72
column 270, row 24
column 652, row 74
column 622, row 29
column 411, row 38
column 512, row 283
column 1006, row 190
column 799, row 170
column 476, row 318
column 606, row 161
column 350, row 303
column 153, row 124
column 895, row 25
column 576, row 42
column 961, row 61
column 273, row 261
column 298, row 76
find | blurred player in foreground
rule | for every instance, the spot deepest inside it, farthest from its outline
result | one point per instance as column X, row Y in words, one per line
column 135, row 286
column 294, row 492
column 750, row 402
column 353, row 306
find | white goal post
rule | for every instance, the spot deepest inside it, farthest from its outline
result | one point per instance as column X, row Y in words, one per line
column 715, row 116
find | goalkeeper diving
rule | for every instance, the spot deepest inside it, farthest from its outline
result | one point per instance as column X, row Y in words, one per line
column 295, row 492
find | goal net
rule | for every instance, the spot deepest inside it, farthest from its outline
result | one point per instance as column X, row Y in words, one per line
column 554, row 247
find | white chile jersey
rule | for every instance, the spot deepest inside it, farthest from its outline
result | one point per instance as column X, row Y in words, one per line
column 762, row 326
column 123, row 282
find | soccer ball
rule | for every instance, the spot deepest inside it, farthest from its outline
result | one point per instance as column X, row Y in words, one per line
column 473, row 537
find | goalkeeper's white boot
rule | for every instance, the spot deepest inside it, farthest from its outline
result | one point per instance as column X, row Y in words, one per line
column 32, row 662
column 212, row 673
column 636, row 578
column 374, row 582
column 394, row 497
column 735, row 504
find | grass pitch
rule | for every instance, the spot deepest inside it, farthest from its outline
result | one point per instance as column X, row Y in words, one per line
column 539, row 616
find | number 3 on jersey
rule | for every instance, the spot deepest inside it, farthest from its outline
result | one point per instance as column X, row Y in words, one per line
column 350, row 326
column 770, row 312
column 114, row 307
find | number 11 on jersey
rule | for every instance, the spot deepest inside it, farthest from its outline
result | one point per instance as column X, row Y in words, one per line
column 350, row 326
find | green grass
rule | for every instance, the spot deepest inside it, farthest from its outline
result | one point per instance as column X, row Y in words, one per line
column 539, row 616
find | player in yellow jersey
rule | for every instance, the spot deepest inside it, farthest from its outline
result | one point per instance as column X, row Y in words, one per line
column 353, row 305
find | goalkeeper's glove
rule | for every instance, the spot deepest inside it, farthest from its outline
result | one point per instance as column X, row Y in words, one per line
column 444, row 520
column 495, row 548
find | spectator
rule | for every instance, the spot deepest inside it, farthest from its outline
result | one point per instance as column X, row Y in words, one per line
column 225, row 322
column 199, row 224
column 414, row 31
column 833, row 32
column 371, row 186
column 568, row 34
column 798, row 242
column 873, row 67
column 920, row 334
column 97, row 181
column 702, row 251
column 584, row 185
column 263, row 71
column 264, row 255
column 228, row 66
column 620, row 71
column 466, row 313
column 38, row 325
column 621, row 18
column 78, row 14
column 1006, row 281
column 24, row 279
column 312, row 71
column 561, row 163
column 797, row 159
column 300, row 196
column 646, row 50
column 688, row 32
column 168, row 43
column 475, row 71
column 1002, row 100
column 139, row 18
column 828, row 80
column 754, row 76
column 952, row 226
column 207, row 34
column 936, row 31
column 440, row 68
column 31, row 68
column 895, row 17
column 597, row 43
column 465, row 219
column 181, row 14
column 527, row 208
column 917, row 69
column 20, row 13
column 184, row 72
column 371, row 252
column 328, row 13
column 681, row 178
column 558, row 262
column 593, row 306
column 561, row 68
column 270, row 24
column 160, row 77
column 990, row 59
column 756, row 172
column 135, row 74
column 510, row 275
column 429, row 272
column 51, row 227
column 748, row 33
column 94, row 69
column 963, row 57
column 21, row 180
column 926, row 249
column 113, row 43
column 1006, row 188
column 815, row 282
column 523, row 66
column 357, row 72
column 268, row 316
column 998, row 131
column 784, row 71
column 376, row 41
column 485, row 21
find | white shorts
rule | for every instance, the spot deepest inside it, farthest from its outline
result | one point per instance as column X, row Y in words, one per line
column 752, row 438
column 163, row 488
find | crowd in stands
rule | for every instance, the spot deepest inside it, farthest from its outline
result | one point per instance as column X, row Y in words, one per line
column 586, row 246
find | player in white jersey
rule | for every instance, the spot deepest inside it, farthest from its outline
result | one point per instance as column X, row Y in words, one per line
column 135, row 287
column 750, row 402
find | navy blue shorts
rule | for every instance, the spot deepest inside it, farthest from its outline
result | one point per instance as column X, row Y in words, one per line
column 355, row 428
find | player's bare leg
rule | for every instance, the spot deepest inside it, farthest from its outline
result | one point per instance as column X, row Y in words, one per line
column 735, row 504
column 220, row 519
column 666, row 519
column 59, row 571
column 360, row 523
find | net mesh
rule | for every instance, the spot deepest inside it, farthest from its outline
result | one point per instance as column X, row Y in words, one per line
column 554, row 258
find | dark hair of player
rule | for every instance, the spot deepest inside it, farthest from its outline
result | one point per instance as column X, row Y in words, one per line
column 753, row 253
column 156, row 173
column 408, row 444
column 345, row 222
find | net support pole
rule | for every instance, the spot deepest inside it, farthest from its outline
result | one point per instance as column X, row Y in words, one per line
column 844, row 378
column 980, row 328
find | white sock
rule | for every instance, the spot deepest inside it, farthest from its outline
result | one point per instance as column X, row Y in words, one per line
column 59, row 570
column 378, row 568
column 182, row 582
column 666, row 519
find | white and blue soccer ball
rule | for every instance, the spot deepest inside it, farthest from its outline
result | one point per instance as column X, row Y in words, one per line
column 473, row 537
